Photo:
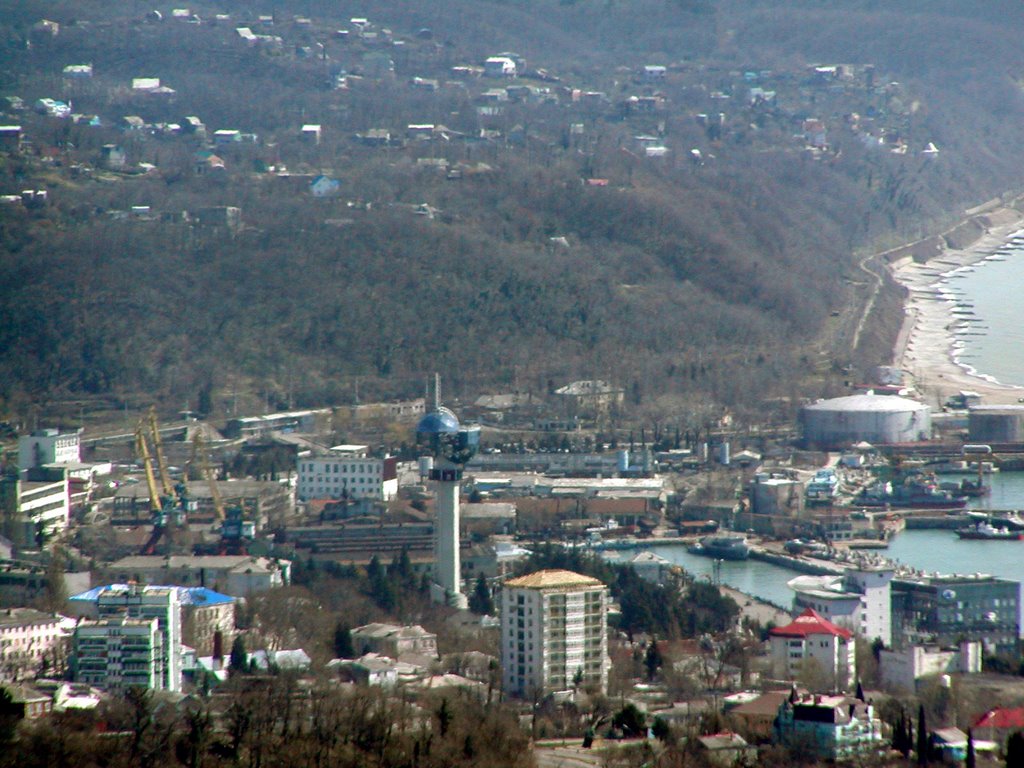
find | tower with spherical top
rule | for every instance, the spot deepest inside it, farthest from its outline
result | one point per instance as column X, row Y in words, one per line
column 451, row 445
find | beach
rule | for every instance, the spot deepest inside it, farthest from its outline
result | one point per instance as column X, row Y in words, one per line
column 927, row 344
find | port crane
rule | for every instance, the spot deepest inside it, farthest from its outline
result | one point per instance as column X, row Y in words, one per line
column 156, row 502
column 232, row 526
column 158, row 450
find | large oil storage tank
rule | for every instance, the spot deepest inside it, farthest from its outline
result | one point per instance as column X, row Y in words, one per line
column 996, row 423
column 842, row 421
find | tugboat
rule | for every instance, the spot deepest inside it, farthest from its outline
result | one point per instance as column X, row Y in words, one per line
column 985, row 531
column 723, row 547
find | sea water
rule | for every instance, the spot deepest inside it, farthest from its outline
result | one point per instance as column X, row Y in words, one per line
column 990, row 342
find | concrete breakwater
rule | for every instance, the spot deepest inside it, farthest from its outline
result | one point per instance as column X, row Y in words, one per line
column 799, row 564
column 944, row 522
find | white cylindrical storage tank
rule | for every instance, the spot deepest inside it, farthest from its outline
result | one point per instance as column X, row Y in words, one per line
column 886, row 419
column 426, row 464
column 723, row 453
column 703, row 451
column 996, row 423
column 622, row 460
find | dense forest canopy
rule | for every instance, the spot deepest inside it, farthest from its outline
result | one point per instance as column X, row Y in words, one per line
column 715, row 274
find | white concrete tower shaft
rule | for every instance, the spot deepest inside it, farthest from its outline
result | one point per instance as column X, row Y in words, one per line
column 447, row 564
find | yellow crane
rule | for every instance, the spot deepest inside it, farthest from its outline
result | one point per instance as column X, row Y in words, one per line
column 199, row 451
column 158, row 449
column 155, row 503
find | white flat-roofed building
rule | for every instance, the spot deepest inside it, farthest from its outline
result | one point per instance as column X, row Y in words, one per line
column 27, row 637
column 235, row 575
column 119, row 653
column 36, row 511
column 901, row 669
column 48, row 446
column 346, row 472
column 554, row 633
column 860, row 600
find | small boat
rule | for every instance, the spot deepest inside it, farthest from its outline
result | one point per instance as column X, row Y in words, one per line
column 1011, row 519
column 987, row 532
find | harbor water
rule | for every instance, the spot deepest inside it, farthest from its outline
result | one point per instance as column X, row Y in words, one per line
column 928, row 550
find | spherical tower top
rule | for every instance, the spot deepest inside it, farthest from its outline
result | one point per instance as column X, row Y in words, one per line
column 440, row 421
column 440, row 433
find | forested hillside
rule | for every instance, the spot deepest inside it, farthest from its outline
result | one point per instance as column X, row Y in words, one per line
column 687, row 232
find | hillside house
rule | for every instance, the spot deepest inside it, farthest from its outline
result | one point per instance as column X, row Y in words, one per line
column 311, row 133
column 207, row 163
column 324, row 186
column 10, row 138
column 837, row 727
column 653, row 73
column 499, row 66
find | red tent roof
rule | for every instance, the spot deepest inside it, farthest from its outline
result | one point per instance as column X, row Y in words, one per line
column 810, row 622
column 1002, row 717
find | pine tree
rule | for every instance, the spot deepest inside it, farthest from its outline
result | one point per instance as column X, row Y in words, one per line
column 237, row 661
column 899, row 735
column 343, row 642
column 922, row 737
column 480, row 601
column 1015, row 750
column 652, row 660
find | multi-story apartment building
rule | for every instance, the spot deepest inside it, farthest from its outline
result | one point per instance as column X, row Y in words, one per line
column 34, row 512
column 554, row 633
column 29, row 639
column 811, row 640
column 204, row 613
column 946, row 609
column 118, row 653
column 142, row 602
column 346, row 472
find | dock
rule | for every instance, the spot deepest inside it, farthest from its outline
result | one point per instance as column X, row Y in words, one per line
column 810, row 566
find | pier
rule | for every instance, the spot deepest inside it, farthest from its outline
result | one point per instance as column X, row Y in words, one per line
column 799, row 564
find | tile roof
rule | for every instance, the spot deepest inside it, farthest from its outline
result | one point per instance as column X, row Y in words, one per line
column 810, row 622
column 553, row 579
column 1002, row 717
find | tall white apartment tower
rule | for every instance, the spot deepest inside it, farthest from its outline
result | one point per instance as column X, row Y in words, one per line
column 150, row 602
column 554, row 633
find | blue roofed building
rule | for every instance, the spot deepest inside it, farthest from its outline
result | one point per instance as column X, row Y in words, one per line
column 204, row 613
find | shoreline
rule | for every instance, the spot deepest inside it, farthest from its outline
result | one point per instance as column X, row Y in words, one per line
column 927, row 345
